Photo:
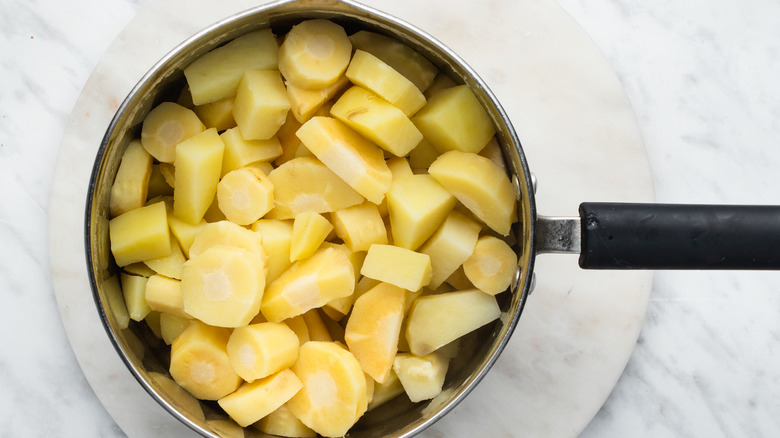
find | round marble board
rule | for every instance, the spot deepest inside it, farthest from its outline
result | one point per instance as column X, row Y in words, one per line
column 582, row 142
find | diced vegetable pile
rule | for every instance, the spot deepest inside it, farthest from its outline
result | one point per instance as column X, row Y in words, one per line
column 312, row 226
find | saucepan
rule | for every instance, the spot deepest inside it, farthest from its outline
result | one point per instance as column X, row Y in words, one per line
column 607, row 236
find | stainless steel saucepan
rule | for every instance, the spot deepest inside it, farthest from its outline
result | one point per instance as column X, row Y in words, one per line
column 608, row 236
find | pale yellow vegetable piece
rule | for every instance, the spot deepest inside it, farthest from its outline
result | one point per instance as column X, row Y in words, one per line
column 437, row 320
column 402, row 267
column 450, row 246
column 373, row 329
column 314, row 54
column 333, row 396
column 492, row 151
column 384, row 392
column 244, row 195
column 479, row 185
column 354, row 159
column 240, row 152
column 265, row 167
column 167, row 125
column 454, row 119
column 217, row 115
column 213, row 213
column 259, row 350
column 491, row 266
column 253, row 401
column 153, row 321
column 292, row 147
column 335, row 329
column 139, row 269
column 223, row 286
column 225, row 233
column 170, row 265
column 216, row 75
column 375, row 75
column 421, row 377
column 305, row 102
column 198, row 166
column 309, row 231
column 421, row 157
column 299, row 327
column 399, row 166
column 398, row 55
column 417, row 205
column 140, row 234
column 459, row 281
column 131, row 183
column 306, row 184
column 310, row 283
column 440, row 82
column 184, row 232
column 359, row 226
column 134, row 291
column 276, row 237
column 317, row 329
column 171, row 326
column 200, row 364
column 163, row 294
column 158, row 186
column 282, row 422
column 261, row 104
column 168, row 173
column 377, row 120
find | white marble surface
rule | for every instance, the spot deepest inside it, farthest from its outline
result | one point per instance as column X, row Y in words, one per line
column 702, row 78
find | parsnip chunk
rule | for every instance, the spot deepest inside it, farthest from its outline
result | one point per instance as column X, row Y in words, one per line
column 200, row 364
column 131, row 183
column 398, row 266
column 479, row 185
column 491, row 266
column 167, row 125
column 163, row 294
column 359, row 226
column 375, row 75
column 253, row 401
column 259, row 350
column 225, row 233
column 170, row 265
column 244, row 195
column 140, row 234
column 421, row 377
column 282, row 422
column 134, row 290
column 437, row 320
column 309, row 231
column 314, row 54
column 398, row 55
column 453, row 119
column 305, row 102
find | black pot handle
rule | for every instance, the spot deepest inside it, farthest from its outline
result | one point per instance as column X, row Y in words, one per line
column 669, row 236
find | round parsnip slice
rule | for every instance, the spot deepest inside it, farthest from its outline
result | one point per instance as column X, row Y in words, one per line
column 223, row 286
column 333, row 396
column 167, row 125
column 245, row 195
column 491, row 266
column 226, row 233
column 314, row 54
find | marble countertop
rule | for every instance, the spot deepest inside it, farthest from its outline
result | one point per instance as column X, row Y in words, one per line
column 703, row 80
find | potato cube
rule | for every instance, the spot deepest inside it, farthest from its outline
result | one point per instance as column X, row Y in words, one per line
column 309, row 283
column 384, row 392
column 397, row 55
column 140, row 234
column 134, row 290
column 398, row 266
column 244, row 195
column 198, row 166
column 223, row 286
column 421, row 377
column 184, row 232
column 417, row 205
column 200, row 364
column 240, row 152
column 437, row 320
column 359, row 226
column 306, row 184
column 167, row 125
column 276, row 238
column 333, row 396
column 399, row 166
column 163, row 294
column 421, row 157
column 440, row 82
column 305, row 102
column 217, row 115
column 373, row 329
column 491, row 266
column 259, row 350
column 253, row 401
column 450, row 246
column 309, row 231
column 170, row 265
column 261, row 104
column 157, row 184
column 377, row 120
column 131, row 183
column 479, row 185
column 216, row 74
column 282, row 422
column 171, row 326
column 455, row 120
column 354, row 159
column 371, row 73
